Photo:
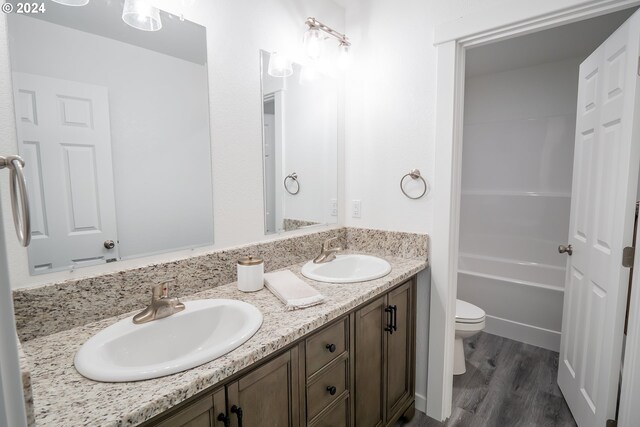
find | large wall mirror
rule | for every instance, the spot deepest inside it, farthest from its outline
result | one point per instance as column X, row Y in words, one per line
column 300, row 148
column 113, row 123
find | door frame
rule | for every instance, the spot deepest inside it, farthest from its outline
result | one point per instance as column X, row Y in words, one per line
column 629, row 410
column 508, row 20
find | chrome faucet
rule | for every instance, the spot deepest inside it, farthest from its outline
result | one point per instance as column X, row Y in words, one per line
column 161, row 305
column 327, row 253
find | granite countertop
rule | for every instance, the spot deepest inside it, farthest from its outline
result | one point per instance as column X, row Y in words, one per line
column 62, row 397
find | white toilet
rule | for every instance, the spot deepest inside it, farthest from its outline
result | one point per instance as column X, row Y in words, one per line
column 469, row 321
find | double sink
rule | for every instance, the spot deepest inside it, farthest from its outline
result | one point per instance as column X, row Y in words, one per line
column 203, row 331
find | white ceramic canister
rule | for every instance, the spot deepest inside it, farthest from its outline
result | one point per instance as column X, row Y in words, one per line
column 250, row 274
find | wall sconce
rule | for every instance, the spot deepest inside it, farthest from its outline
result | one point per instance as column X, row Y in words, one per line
column 279, row 65
column 72, row 2
column 140, row 14
column 314, row 42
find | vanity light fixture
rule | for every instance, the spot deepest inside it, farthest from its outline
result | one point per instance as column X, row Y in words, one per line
column 279, row 65
column 140, row 14
column 72, row 2
column 313, row 40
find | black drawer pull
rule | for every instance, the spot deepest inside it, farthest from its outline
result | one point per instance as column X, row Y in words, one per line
column 225, row 420
column 332, row 390
column 238, row 411
column 331, row 347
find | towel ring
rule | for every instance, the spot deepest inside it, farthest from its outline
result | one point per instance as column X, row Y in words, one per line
column 294, row 178
column 19, row 197
column 414, row 174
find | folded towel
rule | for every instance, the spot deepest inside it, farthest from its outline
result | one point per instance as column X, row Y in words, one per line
column 292, row 291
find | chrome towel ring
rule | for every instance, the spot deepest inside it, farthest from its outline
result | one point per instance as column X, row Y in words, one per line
column 414, row 174
column 20, row 208
column 293, row 177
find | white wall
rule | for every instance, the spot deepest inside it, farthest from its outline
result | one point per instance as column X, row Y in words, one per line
column 390, row 125
column 235, row 33
column 160, row 144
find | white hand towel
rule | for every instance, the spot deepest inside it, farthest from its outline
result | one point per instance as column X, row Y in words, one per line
column 292, row 291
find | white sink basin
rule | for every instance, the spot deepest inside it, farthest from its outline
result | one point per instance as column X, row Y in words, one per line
column 203, row 331
column 347, row 269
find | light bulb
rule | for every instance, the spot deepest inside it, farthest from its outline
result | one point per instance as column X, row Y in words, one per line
column 313, row 43
column 344, row 56
column 72, row 2
column 140, row 14
column 279, row 65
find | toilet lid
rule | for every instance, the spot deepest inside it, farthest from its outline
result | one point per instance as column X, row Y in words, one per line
column 468, row 312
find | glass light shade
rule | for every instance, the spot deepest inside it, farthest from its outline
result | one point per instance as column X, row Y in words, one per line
column 72, row 2
column 279, row 65
column 344, row 56
column 142, row 15
column 313, row 43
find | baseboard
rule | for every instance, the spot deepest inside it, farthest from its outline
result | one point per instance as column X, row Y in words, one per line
column 528, row 334
column 421, row 403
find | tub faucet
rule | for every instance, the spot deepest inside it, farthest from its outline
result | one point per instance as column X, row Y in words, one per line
column 327, row 254
column 161, row 305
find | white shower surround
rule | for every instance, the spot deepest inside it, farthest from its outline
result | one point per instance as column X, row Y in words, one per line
column 516, row 193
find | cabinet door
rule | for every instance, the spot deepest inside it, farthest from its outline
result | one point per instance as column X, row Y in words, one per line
column 370, row 322
column 400, row 350
column 200, row 413
column 268, row 395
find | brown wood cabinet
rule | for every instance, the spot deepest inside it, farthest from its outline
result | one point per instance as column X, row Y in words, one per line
column 267, row 395
column 385, row 358
column 357, row 371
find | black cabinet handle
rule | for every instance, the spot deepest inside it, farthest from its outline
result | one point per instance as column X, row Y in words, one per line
column 225, row 420
column 394, row 323
column 331, row 347
column 238, row 411
column 389, row 327
column 332, row 390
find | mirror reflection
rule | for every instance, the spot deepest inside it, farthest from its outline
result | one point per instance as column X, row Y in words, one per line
column 300, row 146
column 113, row 123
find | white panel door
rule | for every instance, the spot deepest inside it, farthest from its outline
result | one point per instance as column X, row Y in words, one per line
column 605, row 174
column 64, row 137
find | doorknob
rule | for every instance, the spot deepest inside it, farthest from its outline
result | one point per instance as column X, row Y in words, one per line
column 565, row 249
column 109, row 244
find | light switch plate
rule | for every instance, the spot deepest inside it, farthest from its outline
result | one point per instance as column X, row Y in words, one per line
column 333, row 207
column 356, row 211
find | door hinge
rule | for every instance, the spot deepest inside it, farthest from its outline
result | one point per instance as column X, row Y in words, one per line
column 611, row 423
column 628, row 255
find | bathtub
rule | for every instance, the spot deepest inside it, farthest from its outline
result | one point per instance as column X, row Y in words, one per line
column 523, row 300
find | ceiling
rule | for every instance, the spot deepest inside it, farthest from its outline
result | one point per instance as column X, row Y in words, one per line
column 568, row 41
column 178, row 38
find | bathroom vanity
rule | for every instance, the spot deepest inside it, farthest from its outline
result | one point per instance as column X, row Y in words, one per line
column 355, row 341
column 359, row 367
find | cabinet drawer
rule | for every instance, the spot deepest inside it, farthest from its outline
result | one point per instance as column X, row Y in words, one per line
column 319, row 346
column 337, row 416
column 331, row 380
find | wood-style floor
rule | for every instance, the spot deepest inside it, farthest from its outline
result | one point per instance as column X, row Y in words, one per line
column 507, row 384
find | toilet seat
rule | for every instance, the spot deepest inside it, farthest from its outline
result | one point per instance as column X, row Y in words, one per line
column 467, row 313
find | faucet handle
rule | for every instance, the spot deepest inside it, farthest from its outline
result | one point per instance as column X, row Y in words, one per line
column 325, row 245
column 161, row 290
